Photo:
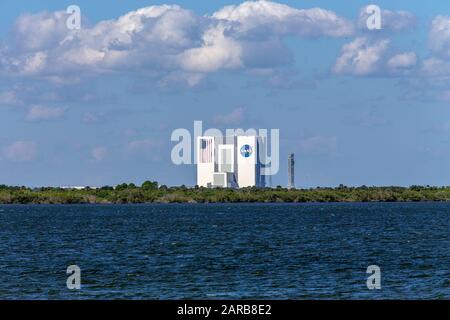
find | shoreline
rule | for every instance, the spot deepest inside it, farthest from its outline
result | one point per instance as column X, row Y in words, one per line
column 131, row 194
column 107, row 204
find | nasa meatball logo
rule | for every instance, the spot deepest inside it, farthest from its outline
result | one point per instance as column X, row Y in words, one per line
column 246, row 150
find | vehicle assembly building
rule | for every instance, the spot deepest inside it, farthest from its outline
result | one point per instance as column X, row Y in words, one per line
column 229, row 162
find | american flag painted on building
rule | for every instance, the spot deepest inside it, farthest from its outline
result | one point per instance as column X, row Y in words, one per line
column 206, row 150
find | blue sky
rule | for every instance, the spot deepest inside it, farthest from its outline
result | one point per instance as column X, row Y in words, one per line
column 97, row 106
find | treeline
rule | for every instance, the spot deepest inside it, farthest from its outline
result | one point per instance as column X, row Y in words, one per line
column 151, row 192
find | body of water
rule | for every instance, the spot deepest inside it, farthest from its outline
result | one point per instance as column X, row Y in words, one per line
column 226, row 251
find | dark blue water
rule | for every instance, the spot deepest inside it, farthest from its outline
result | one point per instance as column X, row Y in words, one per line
column 226, row 251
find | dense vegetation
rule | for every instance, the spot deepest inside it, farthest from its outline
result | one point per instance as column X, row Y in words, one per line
column 150, row 192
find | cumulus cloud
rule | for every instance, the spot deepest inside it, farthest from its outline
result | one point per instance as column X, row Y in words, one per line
column 256, row 18
column 371, row 51
column 166, row 42
column 20, row 151
column 361, row 57
column 173, row 45
column 150, row 37
column 217, row 52
column 249, row 35
column 439, row 36
column 367, row 56
column 393, row 21
column 436, row 67
column 39, row 31
column 39, row 113
column 403, row 60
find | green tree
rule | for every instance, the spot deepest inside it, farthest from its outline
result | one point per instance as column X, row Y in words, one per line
column 149, row 185
column 121, row 187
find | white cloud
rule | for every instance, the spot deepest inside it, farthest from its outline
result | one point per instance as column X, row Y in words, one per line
column 403, row 61
column 259, row 18
column 99, row 153
column 390, row 20
column 150, row 37
column 435, row 66
column 361, row 57
column 234, row 118
column 38, row 113
column 39, row 31
column 217, row 52
column 168, row 42
column 439, row 36
column 249, row 35
column 368, row 56
column 34, row 63
column 20, row 151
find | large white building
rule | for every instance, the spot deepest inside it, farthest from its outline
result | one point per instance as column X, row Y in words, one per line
column 231, row 162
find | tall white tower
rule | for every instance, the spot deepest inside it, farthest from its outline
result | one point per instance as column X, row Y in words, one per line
column 247, row 153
